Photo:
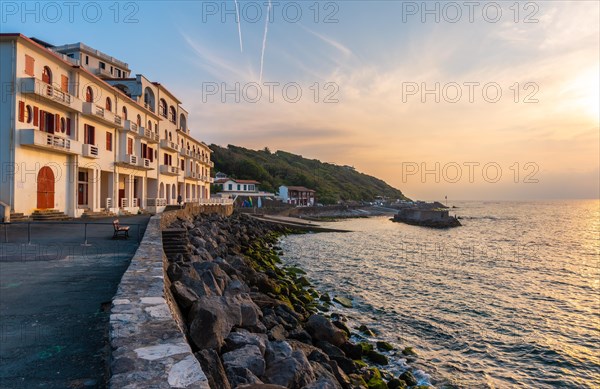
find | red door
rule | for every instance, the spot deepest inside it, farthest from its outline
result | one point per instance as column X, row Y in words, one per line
column 45, row 188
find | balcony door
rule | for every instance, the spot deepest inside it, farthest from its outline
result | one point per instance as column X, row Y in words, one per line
column 45, row 188
column 82, row 189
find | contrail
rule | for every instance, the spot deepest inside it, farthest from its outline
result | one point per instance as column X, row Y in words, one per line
column 239, row 23
column 264, row 45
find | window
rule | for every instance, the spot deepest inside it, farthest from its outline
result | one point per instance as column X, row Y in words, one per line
column 139, row 120
column 108, row 141
column 144, row 150
column 150, row 154
column 238, row 187
column 162, row 107
column 111, row 70
column 170, row 136
column 168, row 159
column 102, row 65
column 182, row 123
column 173, row 115
column 29, row 65
column 28, row 114
column 129, row 146
column 119, row 73
column 230, row 186
column 149, row 99
column 89, row 134
column 87, row 60
column 124, row 113
column 64, row 83
column 63, row 125
column 245, row 187
column 182, row 164
column 89, row 94
column 47, row 75
column 108, row 104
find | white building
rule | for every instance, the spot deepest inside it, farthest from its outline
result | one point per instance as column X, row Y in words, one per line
column 78, row 134
column 297, row 195
column 235, row 185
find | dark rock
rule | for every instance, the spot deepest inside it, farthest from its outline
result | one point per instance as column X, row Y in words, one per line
column 318, row 356
column 409, row 378
column 409, row 351
column 384, row 346
column 341, row 326
column 242, row 338
column 330, row 349
column 301, row 335
column 366, row 330
column 345, row 302
column 239, row 376
column 277, row 350
column 278, row 332
column 294, row 371
column 396, row 384
column 248, row 356
column 357, row 381
column 320, row 328
column 184, row 296
column 346, row 364
column 339, row 375
column 212, row 367
column 352, row 351
column 211, row 320
column 261, row 386
column 377, row 358
column 324, row 378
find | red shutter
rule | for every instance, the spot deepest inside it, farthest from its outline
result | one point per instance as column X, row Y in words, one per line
column 64, row 83
column 151, row 154
column 21, row 111
column 56, row 123
column 36, row 118
column 42, row 120
column 29, row 65
column 68, row 126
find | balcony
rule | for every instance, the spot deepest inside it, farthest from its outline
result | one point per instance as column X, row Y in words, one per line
column 130, row 127
column 150, row 136
column 90, row 151
column 103, row 115
column 167, row 144
column 192, row 175
column 49, row 92
column 169, row 170
column 145, row 163
column 46, row 141
column 103, row 73
column 129, row 160
column 156, row 202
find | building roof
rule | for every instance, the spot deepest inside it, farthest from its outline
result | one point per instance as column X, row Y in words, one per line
column 299, row 188
column 223, row 180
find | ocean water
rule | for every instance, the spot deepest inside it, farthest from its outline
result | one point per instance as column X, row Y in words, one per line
column 509, row 300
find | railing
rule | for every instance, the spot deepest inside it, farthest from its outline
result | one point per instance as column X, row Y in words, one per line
column 167, row 144
column 153, row 136
column 129, row 159
column 156, row 202
column 90, row 151
column 189, row 174
column 131, row 126
column 34, row 85
column 215, row 201
column 145, row 162
column 109, row 202
column 135, row 202
column 166, row 169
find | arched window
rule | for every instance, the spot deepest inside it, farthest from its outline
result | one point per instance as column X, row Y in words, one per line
column 149, row 125
column 124, row 113
column 188, row 145
column 149, row 99
column 170, row 136
column 182, row 123
column 166, row 135
column 89, row 95
column 139, row 120
column 47, row 75
column 172, row 114
column 162, row 107
column 108, row 104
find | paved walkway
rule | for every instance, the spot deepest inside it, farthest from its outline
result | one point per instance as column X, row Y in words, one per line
column 55, row 299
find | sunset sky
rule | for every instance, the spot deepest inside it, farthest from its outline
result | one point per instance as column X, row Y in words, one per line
column 370, row 61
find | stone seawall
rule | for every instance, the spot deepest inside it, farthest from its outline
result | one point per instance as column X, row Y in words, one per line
column 149, row 349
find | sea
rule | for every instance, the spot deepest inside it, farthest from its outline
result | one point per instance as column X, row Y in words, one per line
column 509, row 300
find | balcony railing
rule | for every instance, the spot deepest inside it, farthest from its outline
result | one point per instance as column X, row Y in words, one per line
column 90, row 151
column 131, row 127
column 167, row 144
column 149, row 135
column 49, row 92
column 98, row 112
column 169, row 170
column 103, row 72
column 156, row 202
column 44, row 140
column 145, row 162
column 192, row 175
column 129, row 159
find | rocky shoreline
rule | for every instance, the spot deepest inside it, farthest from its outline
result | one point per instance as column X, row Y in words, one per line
column 255, row 324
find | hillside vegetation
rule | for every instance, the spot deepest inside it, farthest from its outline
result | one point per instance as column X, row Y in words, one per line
column 332, row 182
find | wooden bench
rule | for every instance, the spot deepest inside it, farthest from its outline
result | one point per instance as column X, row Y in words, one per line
column 124, row 231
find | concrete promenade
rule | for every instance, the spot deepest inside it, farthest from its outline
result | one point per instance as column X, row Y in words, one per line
column 55, row 297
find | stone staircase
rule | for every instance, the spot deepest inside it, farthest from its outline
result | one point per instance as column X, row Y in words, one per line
column 16, row 217
column 49, row 215
column 175, row 241
column 96, row 215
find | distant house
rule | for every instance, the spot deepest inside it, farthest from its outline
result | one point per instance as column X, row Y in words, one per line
column 297, row 195
column 238, row 186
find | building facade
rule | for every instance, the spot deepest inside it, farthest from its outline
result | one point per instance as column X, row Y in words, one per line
column 297, row 195
column 78, row 134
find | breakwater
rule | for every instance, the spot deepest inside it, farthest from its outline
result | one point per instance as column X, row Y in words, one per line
column 254, row 323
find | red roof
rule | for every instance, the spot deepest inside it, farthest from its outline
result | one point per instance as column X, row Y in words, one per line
column 299, row 189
